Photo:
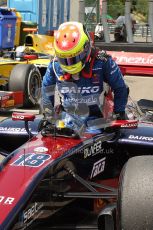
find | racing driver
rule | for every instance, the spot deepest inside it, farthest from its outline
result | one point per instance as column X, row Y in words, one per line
column 79, row 73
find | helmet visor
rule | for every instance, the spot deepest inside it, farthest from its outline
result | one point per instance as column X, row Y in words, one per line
column 82, row 57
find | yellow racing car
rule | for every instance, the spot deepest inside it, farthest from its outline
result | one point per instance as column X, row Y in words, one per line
column 23, row 68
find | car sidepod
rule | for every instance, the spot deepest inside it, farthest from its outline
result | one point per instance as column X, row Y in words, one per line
column 34, row 177
column 138, row 141
column 13, row 133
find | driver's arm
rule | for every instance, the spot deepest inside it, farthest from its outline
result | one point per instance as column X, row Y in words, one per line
column 48, row 91
column 115, row 79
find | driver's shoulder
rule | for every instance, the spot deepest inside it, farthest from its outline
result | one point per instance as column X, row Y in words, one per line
column 103, row 55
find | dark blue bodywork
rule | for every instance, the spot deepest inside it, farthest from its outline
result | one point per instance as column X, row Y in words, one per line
column 97, row 158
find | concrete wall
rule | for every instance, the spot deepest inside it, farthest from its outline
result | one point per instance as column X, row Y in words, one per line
column 77, row 10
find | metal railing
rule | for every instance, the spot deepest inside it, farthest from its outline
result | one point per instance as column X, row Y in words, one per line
column 141, row 30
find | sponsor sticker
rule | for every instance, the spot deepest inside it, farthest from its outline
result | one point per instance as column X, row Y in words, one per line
column 31, row 212
column 12, row 129
column 98, row 167
column 41, row 149
column 6, row 200
column 130, row 125
column 82, row 90
column 31, row 160
column 143, row 138
column 133, row 58
column 95, row 149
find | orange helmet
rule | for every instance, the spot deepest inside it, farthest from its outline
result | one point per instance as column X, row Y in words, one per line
column 72, row 46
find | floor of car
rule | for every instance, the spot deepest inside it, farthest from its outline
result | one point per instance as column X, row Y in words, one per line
column 74, row 216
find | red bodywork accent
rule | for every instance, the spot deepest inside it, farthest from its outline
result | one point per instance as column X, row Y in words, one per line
column 23, row 116
column 30, row 30
column 130, row 124
column 30, row 56
column 10, row 99
column 15, row 180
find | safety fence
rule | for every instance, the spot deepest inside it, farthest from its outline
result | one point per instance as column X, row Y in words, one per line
column 141, row 30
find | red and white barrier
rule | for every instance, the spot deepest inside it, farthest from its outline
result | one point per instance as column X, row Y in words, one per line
column 134, row 63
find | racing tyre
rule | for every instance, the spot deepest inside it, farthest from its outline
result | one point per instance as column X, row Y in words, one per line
column 135, row 198
column 26, row 78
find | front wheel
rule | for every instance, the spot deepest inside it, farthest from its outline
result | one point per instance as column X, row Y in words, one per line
column 26, row 78
column 135, row 200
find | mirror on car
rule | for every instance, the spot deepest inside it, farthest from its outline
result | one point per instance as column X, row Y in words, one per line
column 16, row 116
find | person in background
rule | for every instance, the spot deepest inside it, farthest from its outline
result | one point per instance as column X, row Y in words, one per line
column 120, row 29
column 99, row 31
column 133, row 21
column 120, row 23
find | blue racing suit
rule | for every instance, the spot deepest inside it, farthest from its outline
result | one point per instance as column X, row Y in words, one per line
column 85, row 91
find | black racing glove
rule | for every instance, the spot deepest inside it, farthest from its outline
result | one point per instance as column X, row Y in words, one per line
column 51, row 115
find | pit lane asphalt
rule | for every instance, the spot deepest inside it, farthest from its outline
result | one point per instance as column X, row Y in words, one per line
column 141, row 87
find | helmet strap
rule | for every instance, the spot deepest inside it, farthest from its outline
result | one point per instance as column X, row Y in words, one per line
column 67, row 76
column 87, row 70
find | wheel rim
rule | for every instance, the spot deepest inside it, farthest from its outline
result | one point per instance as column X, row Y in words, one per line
column 34, row 87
